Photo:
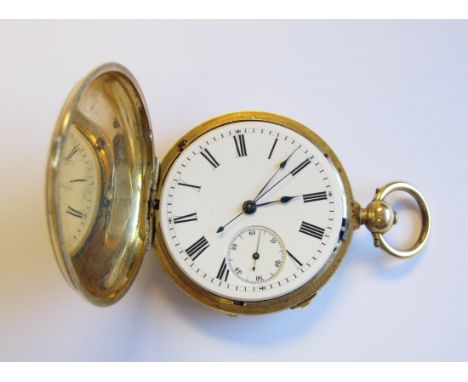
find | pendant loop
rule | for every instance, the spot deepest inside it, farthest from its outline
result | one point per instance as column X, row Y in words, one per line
column 379, row 217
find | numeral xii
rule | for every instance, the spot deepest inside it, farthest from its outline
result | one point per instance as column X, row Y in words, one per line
column 241, row 149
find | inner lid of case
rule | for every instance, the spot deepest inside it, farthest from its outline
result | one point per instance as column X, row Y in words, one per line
column 105, row 116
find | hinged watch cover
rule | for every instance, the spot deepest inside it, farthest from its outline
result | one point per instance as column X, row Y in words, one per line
column 108, row 111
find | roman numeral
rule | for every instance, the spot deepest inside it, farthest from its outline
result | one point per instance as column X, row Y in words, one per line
column 314, row 197
column 72, row 152
column 75, row 213
column 273, row 148
column 207, row 155
column 312, row 230
column 299, row 167
column 223, row 272
column 185, row 218
column 189, row 185
column 197, row 248
column 239, row 140
column 294, row 258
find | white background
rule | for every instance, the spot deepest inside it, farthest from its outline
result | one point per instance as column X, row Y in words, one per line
column 389, row 97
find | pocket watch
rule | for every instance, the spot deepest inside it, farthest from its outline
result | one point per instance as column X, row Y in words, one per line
column 248, row 213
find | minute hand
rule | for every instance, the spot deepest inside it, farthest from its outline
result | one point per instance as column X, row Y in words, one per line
column 281, row 166
column 293, row 172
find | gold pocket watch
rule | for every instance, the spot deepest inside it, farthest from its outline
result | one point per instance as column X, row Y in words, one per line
column 249, row 213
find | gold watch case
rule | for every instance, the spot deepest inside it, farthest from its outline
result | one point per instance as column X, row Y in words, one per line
column 108, row 107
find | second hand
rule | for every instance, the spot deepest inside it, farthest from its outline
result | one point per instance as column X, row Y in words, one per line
column 256, row 255
column 221, row 228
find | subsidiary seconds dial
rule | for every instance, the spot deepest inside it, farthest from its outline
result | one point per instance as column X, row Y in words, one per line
column 256, row 255
column 259, row 176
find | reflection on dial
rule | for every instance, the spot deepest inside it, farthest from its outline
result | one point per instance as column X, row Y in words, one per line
column 78, row 189
column 256, row 255
column 216, row 176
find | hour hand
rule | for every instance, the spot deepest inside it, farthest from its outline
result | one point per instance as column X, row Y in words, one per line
column 282, row 200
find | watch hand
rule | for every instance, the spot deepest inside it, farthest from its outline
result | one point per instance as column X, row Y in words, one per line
column 221, row 228
column 293, row 172
column 283, row 200
column 281, row 166
column 258, row 241
column 256, row 255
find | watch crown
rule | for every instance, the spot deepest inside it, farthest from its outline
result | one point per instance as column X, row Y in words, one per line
column 378, row 216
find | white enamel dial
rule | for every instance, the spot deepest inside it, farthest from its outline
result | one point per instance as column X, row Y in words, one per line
column 78, row 189
column 296, row 197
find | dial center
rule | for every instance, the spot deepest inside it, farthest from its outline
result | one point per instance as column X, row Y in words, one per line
column 249, row 207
